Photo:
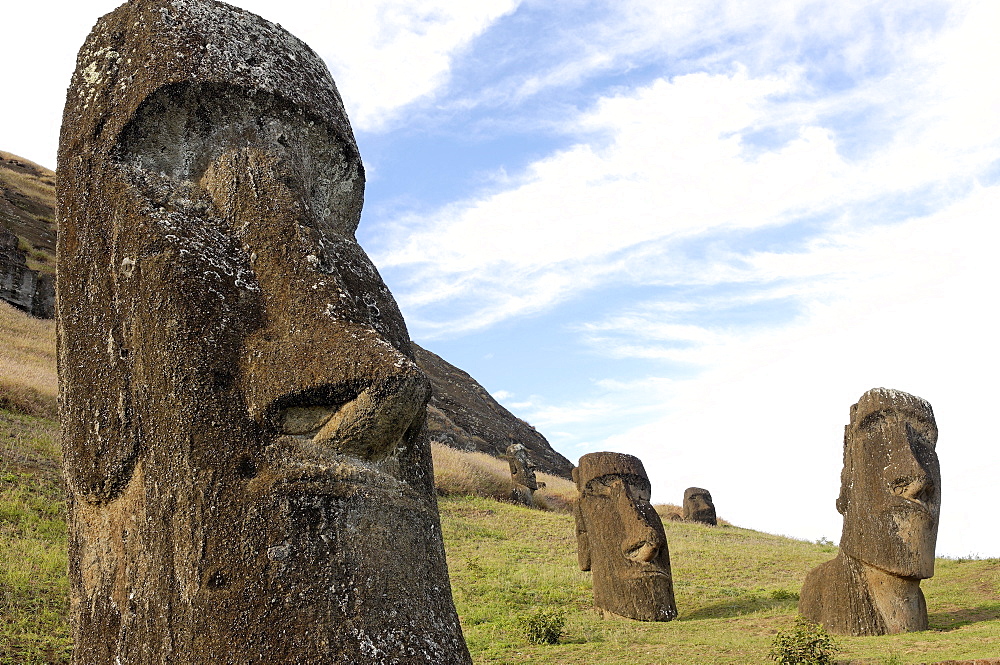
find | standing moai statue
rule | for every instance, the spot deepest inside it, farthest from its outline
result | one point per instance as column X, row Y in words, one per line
column 620, row 538
column 249, row 475
column 522, row 475
column 890, row 497
column 698, row 506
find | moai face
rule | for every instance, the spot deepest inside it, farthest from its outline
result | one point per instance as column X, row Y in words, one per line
column 890, row 493
column 621, row 539
column 242, row 417
column 698, row 506
column 522, row 472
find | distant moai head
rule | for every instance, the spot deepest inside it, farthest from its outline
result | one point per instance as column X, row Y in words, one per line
column 890, row 492
column 620, row 538
column 522, row 471
column 698, row 506
column 242, row 420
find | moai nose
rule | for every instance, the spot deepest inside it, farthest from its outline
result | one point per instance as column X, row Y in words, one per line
column 642, row 542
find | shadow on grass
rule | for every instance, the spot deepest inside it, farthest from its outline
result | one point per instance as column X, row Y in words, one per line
column 737, row 607
column 945, row 621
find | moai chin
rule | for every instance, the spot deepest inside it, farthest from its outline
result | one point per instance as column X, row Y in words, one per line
column 243, row 424
column 890, row 497
column 620, row 538
column 522, row 475
column 698, row 506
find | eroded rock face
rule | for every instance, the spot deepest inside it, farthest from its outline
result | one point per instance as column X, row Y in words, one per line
column 890, row 498
column 242, row 420
column 522, row 475
column 620, row 538
column 698, row 506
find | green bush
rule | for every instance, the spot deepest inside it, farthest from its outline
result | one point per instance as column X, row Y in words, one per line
column 784, row 594
column 807, row 643
column 544, row 626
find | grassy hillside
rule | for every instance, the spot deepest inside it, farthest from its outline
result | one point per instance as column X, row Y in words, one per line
column 27, row 363
column 736, row 588
column 27, row 208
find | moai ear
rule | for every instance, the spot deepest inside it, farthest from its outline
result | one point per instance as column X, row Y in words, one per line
column 582, row 538
column 99, row 437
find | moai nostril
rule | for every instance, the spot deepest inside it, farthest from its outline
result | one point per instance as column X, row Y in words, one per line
column 913, row 488
column 643, row 552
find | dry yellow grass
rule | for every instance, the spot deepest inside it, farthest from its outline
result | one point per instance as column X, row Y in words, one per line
column 28, row 380
column 41, row 187
column 471, row 472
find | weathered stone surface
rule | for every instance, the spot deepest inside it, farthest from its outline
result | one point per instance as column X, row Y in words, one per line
column 242, row 419
column 890, row 497
column 698, row 506
column 620, row 538
column 462, row 414
column 522, row 475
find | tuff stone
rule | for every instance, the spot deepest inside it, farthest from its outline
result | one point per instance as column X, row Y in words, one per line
column 243, row 422
column 522, row 475
column 698, row 506
column 620, row 538
column 890, row 497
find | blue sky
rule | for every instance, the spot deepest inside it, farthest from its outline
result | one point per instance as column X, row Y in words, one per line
column 694, row 232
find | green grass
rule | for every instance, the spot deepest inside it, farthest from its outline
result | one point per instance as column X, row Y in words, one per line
column 736, row 588
column 33, row 586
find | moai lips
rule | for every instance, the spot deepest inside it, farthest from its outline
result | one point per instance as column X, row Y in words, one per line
column 620, row 538
column 890, row 498
column 243, row 423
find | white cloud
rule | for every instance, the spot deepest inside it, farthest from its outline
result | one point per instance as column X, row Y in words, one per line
column 670, row 162
column 387, row 54
column 384, row 54
column 908, row 307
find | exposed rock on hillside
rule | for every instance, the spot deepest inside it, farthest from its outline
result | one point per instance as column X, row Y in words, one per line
column 27, row 235
column 462, row 414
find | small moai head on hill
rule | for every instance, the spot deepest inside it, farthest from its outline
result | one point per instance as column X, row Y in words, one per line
column 621, row 539
column 890, row 492
column 243, row 422
column 522, row 475
column 522, row 470
column 698, row 506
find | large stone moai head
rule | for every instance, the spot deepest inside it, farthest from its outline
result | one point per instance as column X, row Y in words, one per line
column 620, row 538
column 243, row 423
column 698, row 506
column 890, row 497
column 890, row 488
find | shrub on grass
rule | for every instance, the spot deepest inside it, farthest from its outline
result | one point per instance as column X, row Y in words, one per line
column 544, row 626
column 806, row 643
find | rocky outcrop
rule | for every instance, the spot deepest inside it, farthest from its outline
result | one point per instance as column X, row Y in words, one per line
column 27, row 211
column 462, row 414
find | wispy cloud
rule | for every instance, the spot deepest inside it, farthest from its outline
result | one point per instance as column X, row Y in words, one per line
column 700, row 154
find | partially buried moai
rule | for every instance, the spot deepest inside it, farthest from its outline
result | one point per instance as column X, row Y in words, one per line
column 890, row 497
column 698, row 506
column 242, row 420
column 620, row 538
column 522, row 475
